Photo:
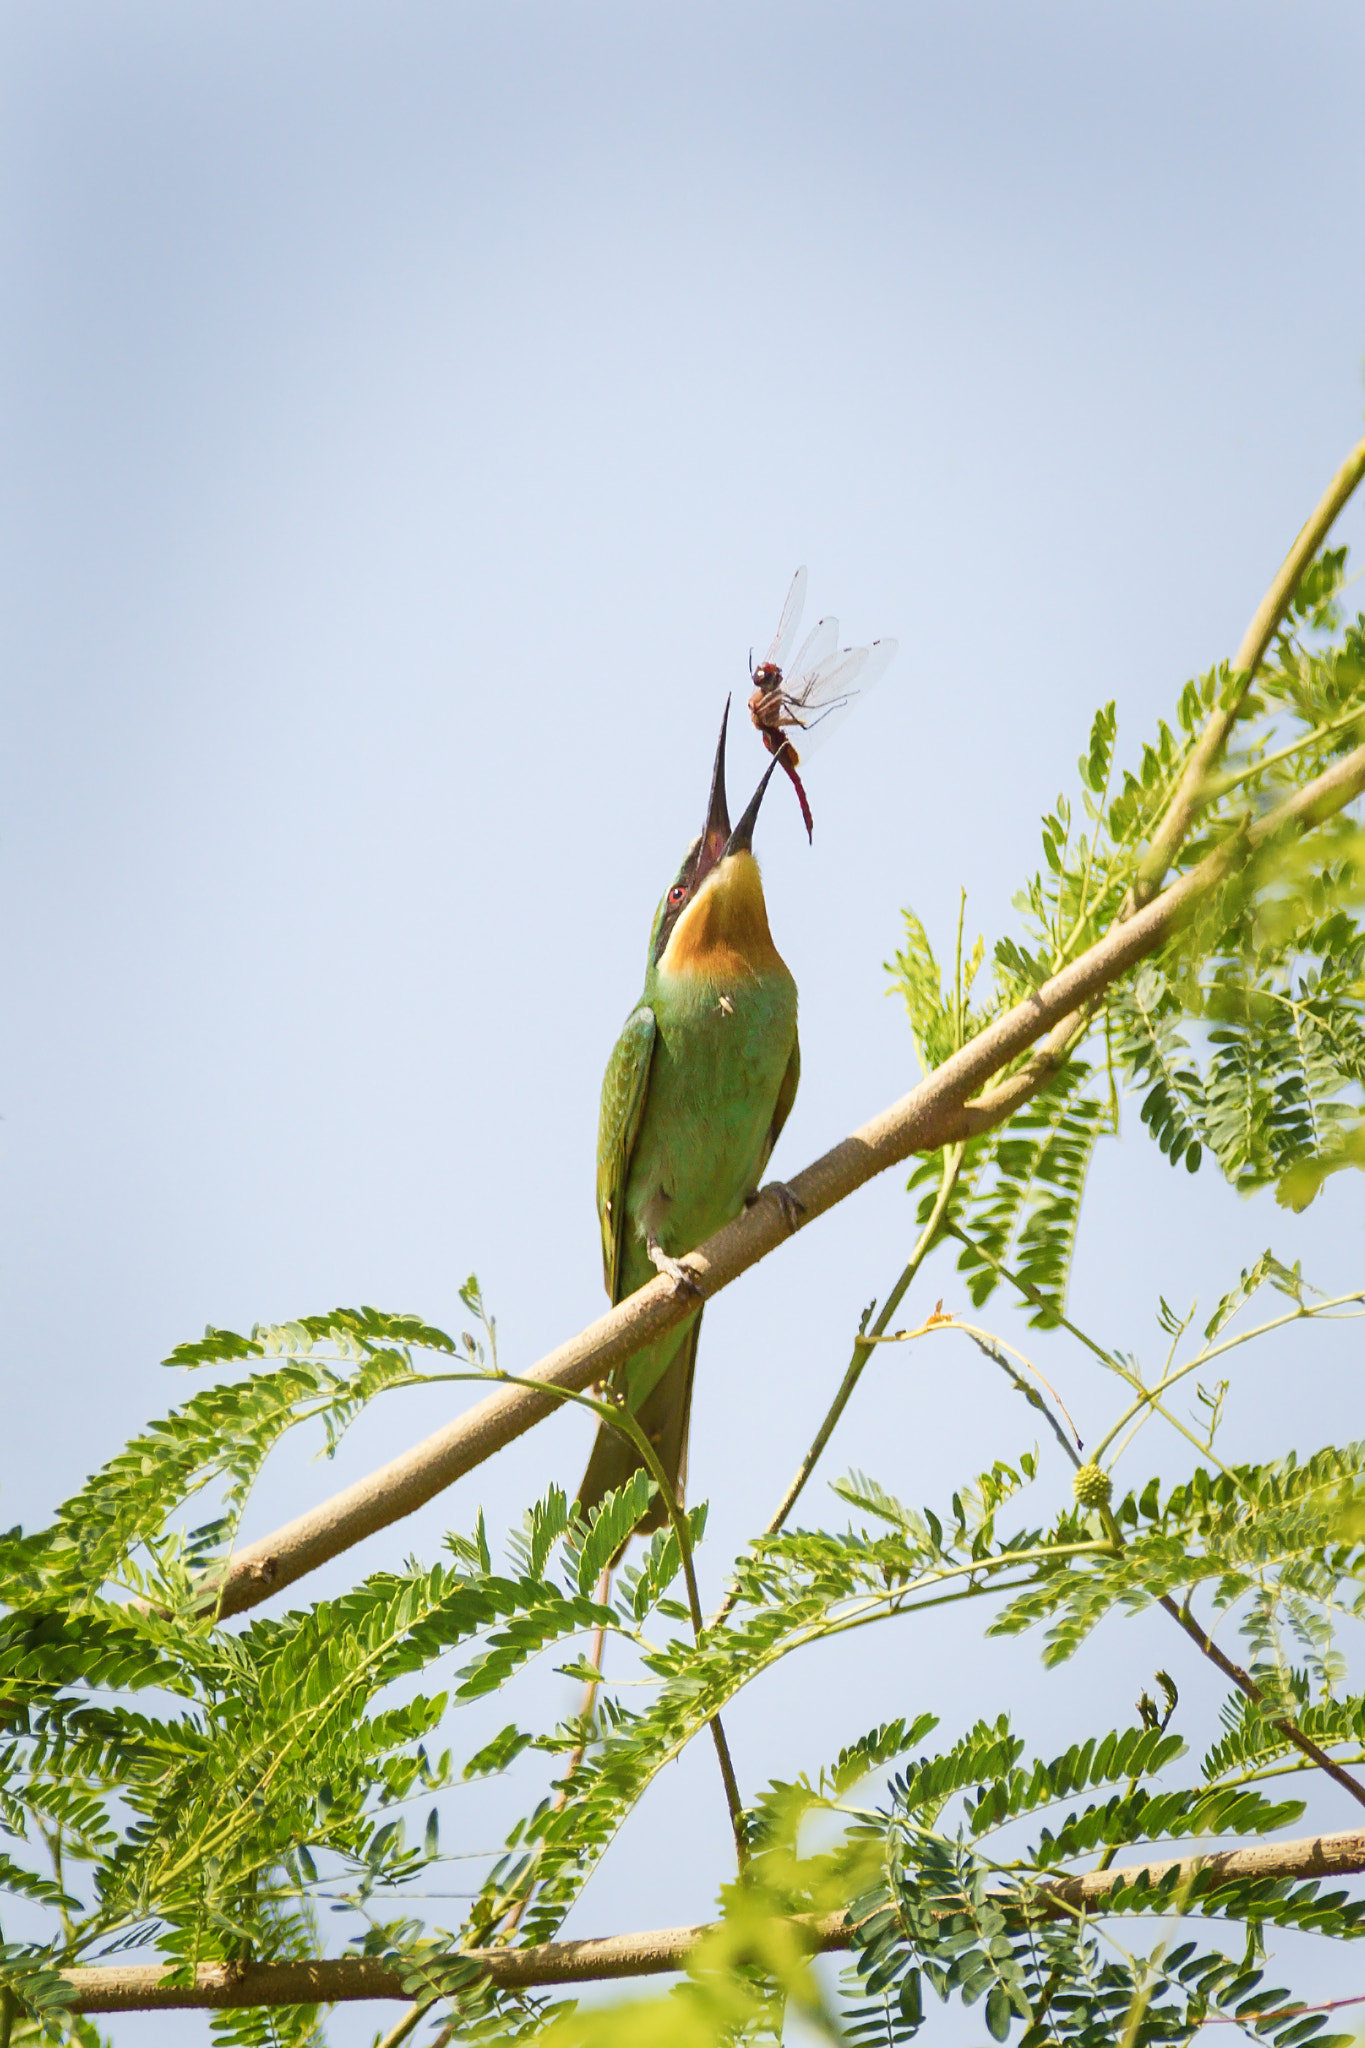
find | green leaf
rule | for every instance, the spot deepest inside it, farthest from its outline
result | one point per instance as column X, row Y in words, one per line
column 217, row 1347
column 610, row 1524
column 496, row 1755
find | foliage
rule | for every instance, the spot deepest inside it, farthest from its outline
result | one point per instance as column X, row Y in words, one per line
column 176, row 1785
column 1245, row 1041
column 275, row 1771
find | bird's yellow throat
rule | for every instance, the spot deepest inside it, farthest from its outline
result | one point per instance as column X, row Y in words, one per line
column 723, row 933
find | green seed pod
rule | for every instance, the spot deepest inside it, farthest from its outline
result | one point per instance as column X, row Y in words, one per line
column 1091, row 1487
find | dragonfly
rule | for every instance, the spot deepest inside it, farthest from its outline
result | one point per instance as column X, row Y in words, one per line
column 812, row 693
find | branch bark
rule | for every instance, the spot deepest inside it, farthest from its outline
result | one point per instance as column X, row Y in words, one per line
column 940, row 1111
column 1192, row 787
column 144, row 1987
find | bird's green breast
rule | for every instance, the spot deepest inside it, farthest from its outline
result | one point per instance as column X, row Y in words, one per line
column 721, row 1051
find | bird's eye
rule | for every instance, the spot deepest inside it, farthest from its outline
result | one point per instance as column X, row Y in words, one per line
column 677, row 892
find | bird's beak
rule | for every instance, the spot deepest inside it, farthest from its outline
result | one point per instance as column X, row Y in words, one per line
column 715, row 833
column 742, row 838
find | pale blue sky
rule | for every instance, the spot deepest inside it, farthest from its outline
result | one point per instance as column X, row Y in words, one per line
column 413, row 415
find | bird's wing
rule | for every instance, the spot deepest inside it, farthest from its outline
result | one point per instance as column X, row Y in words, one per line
column 786, row 1096
column 624, row 1088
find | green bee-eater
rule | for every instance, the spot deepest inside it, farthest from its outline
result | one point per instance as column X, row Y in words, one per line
column 698, row 1088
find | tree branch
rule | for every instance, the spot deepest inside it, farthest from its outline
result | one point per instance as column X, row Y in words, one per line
column 1246, row 1684
column 1193, row 787
column 939, row 1111
column 145, row 1987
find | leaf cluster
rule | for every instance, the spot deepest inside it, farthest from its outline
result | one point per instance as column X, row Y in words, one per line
column 1244, row 1039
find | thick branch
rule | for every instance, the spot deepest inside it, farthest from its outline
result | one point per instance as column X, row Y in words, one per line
column 143, row 1987
column 1340, row 1855
column 937, row 1112
column 1193, row 785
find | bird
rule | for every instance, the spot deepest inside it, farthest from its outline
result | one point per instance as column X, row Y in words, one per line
column 697, row 1089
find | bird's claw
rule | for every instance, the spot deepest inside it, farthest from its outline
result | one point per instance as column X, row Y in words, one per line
column 684, row 1279
column 791, row 1205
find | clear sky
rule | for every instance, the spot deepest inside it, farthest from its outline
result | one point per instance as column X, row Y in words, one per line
column 413, row 415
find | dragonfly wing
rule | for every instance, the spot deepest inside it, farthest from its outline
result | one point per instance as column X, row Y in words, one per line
column 789, row 621
column 831, row 692
column 816, row 648
column 824, row 688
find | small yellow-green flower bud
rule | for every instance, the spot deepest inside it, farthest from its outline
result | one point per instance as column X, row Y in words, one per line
column 1091, row 1487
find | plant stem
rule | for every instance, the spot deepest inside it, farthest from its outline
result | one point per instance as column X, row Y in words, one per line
column 1219, row 785
column 596, row 1651
column 723, row 1758
column 1246, row 1684
column 1030, row 1394
column 622, row 1419
column 863, row 1346
column 1205, row 1643
column 406, row 2027
column 1032, row 1295
column 1149, row 1397
column 1192, row 789
column 994, row 1348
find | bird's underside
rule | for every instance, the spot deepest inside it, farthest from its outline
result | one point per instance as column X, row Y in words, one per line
column 696, row 1091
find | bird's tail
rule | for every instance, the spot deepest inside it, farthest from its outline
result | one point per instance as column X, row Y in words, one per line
column 665, row 1416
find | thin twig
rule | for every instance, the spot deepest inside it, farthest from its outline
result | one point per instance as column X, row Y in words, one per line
column 993, row 1348
column 1192, row 789
column 723, row 1757
column 621, row 1418
column 1034, row 1398
column 863, row 1344
column 1148, row 1396
column 1036, row 1298
column 1280, row 2012
column 1244, row 1682
column 597, row 1647
column 1219, row 785
column 1183, row 1618
column 407, row 2026
column 862, row 1350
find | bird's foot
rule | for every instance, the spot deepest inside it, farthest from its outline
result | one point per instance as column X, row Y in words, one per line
column 684, row 1279
column 791, row 1205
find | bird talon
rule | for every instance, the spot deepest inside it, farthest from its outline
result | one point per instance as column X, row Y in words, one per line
column 791, row 1205
column 684, row 1279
